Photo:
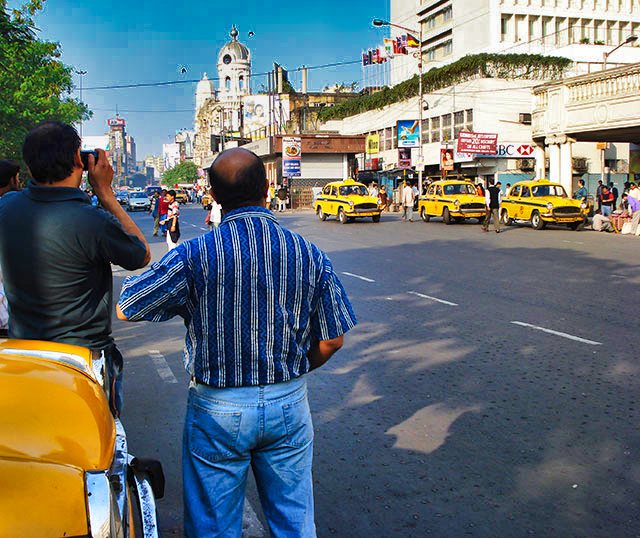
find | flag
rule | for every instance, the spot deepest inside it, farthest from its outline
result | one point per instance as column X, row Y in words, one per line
column 365, row 59
column 404, row 42
column 388, row 47
column 370, row 56
column 401, row 49
column 412, row 41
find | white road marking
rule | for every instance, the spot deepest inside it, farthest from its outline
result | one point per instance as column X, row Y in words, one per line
column 251, row 526
column 194, row 225
column 358, row 276
column 618, row 276
column 432, row 298
column 558, row 333
column 204, row 229
column 162, row 366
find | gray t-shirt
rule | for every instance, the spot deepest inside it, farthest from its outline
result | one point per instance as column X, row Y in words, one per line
column 56, row 252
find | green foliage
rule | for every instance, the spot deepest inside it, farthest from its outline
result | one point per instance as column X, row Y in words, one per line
column 185, row 172
column 505, row 66
column 34, row 83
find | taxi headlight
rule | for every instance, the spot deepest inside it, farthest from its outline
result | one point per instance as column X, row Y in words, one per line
column 583, row 205
column 456, row 203
column 549, row 206
column 351, row 204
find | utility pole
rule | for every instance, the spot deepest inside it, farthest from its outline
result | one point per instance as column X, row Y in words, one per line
column 81, row 73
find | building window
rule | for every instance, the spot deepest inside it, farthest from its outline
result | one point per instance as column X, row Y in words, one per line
column 448, row 48
column 431, row 22
column 448, row 14
column 387, row 138
column 458, row 123
column 394, row 137
column 431, row 55
column 469, row 122
column 504, row 27
column 425, row 131
column 435, row 130
column 241, row 83
column 227, row 83
column 446, row 127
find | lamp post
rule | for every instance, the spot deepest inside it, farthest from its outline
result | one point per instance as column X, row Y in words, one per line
column 629, row 40
column 380, row 22
column 82, row 74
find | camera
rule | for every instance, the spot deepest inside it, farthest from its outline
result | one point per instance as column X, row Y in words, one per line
column 84, row 155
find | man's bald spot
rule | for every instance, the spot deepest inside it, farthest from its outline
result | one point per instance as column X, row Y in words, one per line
column 233, row 161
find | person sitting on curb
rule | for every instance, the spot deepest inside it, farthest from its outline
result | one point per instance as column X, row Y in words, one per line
column 601, row 223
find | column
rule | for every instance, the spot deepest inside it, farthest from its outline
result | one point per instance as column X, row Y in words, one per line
column 566, row 166
column 554, row 162
column 540, row 167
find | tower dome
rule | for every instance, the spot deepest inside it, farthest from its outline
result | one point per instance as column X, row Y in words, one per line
column 233, row 50
column 205, row 86
column 234, row 69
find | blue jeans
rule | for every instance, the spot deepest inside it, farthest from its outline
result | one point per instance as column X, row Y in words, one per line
column 267, row 427
column 606, row 210
column 163, row 227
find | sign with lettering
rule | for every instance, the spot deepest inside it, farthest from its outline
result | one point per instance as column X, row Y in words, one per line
column 511, row 150
column 485, row 143
column 291, row 156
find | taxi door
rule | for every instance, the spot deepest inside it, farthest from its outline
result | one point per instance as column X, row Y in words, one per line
column 437, row 201
column 429, row 203
column 524, row 207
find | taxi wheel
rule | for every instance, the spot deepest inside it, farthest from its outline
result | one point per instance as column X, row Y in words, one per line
column 446, row 216
column 506, row 220
column 423, row 215
column 536, row 221
column 576, row 225
column 321, row 214
column 342, row 218
column 376, row 218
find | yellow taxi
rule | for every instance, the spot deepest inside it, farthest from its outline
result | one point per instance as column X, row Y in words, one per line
column 541, row 202
column 453, row 200
column 347, row 200
column 182, row 196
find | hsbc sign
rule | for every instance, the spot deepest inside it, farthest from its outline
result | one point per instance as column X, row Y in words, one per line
column 512, row 150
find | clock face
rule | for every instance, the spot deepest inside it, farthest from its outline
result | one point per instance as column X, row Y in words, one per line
column 226, row 59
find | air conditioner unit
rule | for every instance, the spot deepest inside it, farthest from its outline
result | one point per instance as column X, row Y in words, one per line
column 525, row 118
column 526, row 164
column 580, row 164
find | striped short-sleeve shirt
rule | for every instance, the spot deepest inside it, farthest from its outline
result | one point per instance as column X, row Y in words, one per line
column 253, row 295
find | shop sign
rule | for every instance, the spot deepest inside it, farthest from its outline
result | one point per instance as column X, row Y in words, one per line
column 404, row 157
column 373, row 163
column 116, row 122
column 408, row 133
column 485, row 143
column 291, row 156
column 511, row 150
column 373, row 144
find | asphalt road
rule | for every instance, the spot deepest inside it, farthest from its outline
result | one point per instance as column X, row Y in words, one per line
column 489, row 390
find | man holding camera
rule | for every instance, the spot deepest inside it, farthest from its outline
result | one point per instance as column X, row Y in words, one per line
column 56, row 250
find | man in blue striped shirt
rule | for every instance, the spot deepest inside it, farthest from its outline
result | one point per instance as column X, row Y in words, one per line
column 262, row 307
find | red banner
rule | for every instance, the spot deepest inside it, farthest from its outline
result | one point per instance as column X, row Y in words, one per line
column 485, row 143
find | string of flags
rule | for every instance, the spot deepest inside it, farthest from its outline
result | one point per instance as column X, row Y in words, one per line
column 390, row 48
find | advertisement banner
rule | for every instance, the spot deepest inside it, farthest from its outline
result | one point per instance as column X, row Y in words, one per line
column 404, row 157
column 373, row 144
column 116, row 122
column 484, row 143
column 255, row 112
column 408, row 133
column 291, row 156
column 446, row 160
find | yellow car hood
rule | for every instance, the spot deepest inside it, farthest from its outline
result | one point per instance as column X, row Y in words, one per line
column 41, row 499
column 361, row 199
column 52, row 412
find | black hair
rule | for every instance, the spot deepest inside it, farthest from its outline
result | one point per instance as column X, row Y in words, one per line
column 8, row 170
column 246, row 186
column 171, row 192
column 49, row 151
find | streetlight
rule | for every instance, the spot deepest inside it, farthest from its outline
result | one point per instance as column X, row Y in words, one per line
column 629, row 40
column 82, row 74
column 380, row 22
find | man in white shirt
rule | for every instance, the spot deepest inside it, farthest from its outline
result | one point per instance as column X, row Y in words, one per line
column 601, row 223
column 407, row 202
column 9, row 171
column 373, row 190
column 634, row 191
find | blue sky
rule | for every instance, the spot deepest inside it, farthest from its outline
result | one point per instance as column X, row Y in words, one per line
column 120, row 42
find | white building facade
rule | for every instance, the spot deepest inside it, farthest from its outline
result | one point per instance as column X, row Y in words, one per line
column 582, row 30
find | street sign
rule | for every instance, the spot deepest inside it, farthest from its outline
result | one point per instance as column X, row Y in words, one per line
column 291, row 156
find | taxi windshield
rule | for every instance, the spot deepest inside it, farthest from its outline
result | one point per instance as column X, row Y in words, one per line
column 548, row 190
column 460, row 188
column 353, row 190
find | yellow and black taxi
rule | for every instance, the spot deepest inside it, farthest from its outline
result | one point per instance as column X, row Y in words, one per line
column 453, row 200
column 347, row 200
column 181, row 196
column 541, row 202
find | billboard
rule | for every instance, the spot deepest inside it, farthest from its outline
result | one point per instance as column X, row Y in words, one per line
column 116, row 122
column 404, row 157
column 373, row 144
column 483, row 143
column 255, row 113
column 446, row 159
column 291, row 156
column 93, row 142
column 512, row 150
column 408, row 133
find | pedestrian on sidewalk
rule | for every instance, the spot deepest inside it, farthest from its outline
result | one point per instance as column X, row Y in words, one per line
column 601, row 223
column 634, row 211
column 606, row 201
column 283, row 194
column 57, row 251
column 252, row 335
column 599, row 194
column 493, row 200
column 384, row 198
column 407, row 202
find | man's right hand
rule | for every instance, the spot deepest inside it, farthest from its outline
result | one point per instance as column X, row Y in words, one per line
column 101, row 174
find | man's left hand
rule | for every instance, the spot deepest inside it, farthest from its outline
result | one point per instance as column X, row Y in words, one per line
column 101, row 175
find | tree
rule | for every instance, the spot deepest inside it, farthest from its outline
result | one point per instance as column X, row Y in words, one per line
column 34, row 84
column 185, row 172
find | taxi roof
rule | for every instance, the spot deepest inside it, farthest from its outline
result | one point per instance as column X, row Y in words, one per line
column 452, row 182
column 536, row 182
column 347, row 181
